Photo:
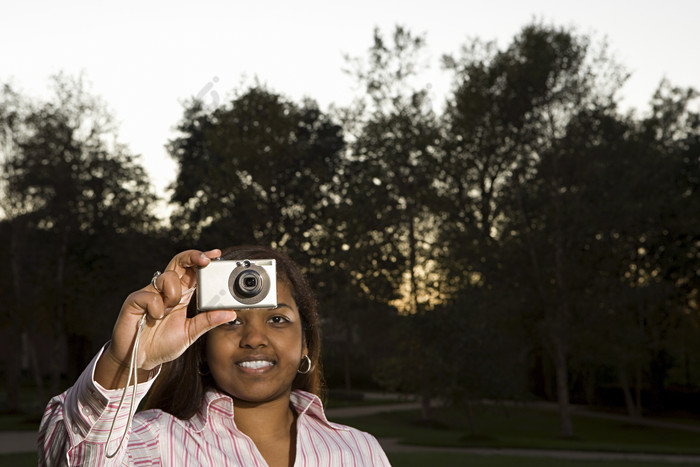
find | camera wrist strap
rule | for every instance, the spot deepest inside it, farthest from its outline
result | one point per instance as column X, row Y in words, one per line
column 133, row 370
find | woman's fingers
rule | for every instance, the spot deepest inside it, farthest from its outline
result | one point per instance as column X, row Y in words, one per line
column 164, row 300
column 190, row 259
column 179, row 275
column 148, row 302
column 168, row 286
column 208, row 320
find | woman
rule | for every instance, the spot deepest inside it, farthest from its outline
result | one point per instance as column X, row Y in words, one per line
column 229, row 388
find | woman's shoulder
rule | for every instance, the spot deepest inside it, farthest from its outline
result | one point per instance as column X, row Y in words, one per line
column 325, row 442
column 354, row 434
column 311, row 410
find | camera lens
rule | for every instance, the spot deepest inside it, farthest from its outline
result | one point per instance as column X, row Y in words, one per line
column 249, row 283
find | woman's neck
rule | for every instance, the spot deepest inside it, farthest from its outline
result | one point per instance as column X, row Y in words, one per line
column 263, row 420
column 272, row 427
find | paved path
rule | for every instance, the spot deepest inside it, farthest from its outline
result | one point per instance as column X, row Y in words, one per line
column 359, row 411
column 17, row 441
column 25, row 441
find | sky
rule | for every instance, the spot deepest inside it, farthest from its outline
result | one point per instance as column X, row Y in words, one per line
column 145, row 58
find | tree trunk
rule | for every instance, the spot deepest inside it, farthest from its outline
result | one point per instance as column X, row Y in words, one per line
column 14, row 374
column 41, row 399
column 638, row 386
column 562, row 318
column 412, row 262
column 59, row 338
column 627, row 391
column 346, row 357
column 558, row 329
column 562, row 377
column 14, row 370
column 471, row 420
column 426, row 408
column 590, row 387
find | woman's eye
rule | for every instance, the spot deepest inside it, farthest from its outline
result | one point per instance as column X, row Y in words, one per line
column 279, row 320
column 235, row 322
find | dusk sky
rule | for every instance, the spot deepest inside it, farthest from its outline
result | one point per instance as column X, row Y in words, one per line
column 145, row 58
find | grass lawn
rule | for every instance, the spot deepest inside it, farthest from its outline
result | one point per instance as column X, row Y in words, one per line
column 28, row 459
column 526, row 428
column 497, row 427
column 17, row 422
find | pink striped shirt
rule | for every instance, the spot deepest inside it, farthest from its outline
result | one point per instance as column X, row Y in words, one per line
column 76, row 424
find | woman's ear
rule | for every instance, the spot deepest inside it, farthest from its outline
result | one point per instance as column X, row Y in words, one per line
column 304, row 347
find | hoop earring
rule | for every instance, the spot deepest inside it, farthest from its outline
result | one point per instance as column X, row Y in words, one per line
column 203, row 373
column 309, row 366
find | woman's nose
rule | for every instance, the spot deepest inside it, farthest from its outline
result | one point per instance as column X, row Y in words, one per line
column 253, row 335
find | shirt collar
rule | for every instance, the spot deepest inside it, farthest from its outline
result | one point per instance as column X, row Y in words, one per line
column 218, row 404
column 215, row 403
column 309, row 404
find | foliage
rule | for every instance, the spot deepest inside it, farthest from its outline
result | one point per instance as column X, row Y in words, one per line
column 73, row 200
column 258, row 170
column 394, row 141
column 513, row 169
column 528, row 239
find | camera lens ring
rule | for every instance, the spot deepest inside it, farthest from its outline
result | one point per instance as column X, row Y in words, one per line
column 252, row 293
column 249, row 283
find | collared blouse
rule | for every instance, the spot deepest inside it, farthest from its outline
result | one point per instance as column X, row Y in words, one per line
column 76, row 425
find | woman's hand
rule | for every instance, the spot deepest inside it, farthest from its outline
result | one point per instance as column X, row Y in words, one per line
column 167, row 332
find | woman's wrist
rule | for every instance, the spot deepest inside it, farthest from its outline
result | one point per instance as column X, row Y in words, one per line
column 113, row 373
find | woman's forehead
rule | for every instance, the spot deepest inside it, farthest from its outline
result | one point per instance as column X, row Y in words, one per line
column 285, row 295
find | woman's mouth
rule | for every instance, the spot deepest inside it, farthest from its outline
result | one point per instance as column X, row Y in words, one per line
column 256, row 364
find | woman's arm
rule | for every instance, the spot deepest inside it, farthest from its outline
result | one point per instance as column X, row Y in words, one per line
column 76, row 424
column 167, row 332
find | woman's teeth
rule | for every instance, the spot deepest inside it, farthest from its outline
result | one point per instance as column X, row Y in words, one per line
column 255, row 365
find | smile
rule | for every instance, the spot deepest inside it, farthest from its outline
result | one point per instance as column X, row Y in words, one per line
column 256, row 364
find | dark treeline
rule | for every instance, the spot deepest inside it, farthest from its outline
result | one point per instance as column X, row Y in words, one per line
column 527, row 240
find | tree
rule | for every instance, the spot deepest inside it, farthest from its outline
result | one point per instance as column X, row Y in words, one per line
column 632, row 204
column 267, row 170
column 67, row 184
column 663, row 250
column 506, row 169
column 259, row 169
column 394, row 152
column 11, row 108
column 394, row 141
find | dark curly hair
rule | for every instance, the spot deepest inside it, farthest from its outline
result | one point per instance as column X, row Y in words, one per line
column 180, row 387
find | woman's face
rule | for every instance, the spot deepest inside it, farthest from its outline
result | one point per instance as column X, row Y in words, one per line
column 255, row 358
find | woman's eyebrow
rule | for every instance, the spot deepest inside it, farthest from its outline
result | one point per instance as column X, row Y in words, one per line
column 282, row 304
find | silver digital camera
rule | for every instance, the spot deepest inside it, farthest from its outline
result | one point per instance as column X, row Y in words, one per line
column 237, row 284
